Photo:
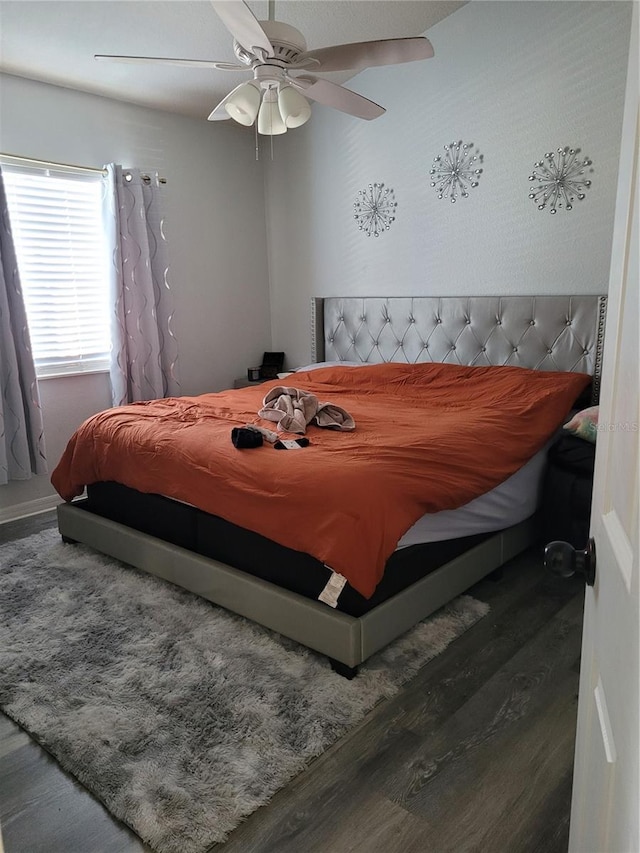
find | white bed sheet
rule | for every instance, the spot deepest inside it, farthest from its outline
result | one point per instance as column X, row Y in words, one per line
column 512, row 501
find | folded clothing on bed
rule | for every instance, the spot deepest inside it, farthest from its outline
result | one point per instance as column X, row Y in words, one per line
column 430, row 437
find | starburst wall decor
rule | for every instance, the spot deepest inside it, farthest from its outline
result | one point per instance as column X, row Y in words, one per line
column 374, row 209
column 560, row 179
column 457, row 171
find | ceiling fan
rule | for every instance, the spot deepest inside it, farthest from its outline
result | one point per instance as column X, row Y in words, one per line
column 272, row 50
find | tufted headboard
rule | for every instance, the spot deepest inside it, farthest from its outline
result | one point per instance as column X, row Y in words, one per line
column 538, row 332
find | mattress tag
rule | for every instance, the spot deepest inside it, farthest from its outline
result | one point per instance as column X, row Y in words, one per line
column 332, row 590
column 291, row 444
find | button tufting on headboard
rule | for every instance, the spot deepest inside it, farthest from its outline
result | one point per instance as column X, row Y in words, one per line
column 539, row 332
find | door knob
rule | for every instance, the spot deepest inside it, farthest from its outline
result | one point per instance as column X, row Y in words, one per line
column 564, row 560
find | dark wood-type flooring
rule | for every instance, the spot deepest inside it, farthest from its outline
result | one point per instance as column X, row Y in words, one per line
column 474, row 754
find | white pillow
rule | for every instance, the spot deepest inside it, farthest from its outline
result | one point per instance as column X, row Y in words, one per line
column 330, row 364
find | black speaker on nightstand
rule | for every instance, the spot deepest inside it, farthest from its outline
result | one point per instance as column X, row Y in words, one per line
column 272, row 364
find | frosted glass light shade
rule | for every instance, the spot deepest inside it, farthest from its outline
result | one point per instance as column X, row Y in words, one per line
column 243, row 105
column 269, row 119
column 294, row 109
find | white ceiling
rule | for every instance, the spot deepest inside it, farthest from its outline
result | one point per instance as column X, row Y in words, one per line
column 54, row 41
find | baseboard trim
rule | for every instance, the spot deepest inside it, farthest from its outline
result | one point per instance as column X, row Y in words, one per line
column 24, row 510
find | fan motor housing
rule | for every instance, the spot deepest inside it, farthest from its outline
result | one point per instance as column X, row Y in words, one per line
column 288, row 43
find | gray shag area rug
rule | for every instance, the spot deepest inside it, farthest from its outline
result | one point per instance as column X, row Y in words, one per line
column 179, row 716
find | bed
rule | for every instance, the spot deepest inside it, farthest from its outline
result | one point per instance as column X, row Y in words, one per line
column 288, row 589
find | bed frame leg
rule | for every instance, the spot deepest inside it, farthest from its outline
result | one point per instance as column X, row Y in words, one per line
column 342, row 669
column 67, row 540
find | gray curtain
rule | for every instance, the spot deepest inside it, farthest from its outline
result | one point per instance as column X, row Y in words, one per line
column 144, row 351
column 22, row 451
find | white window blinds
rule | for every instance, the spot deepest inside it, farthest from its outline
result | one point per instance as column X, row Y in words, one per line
column 56, row 220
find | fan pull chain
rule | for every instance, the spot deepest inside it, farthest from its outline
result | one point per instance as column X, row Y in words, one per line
column 255, row 125
column 271, row 126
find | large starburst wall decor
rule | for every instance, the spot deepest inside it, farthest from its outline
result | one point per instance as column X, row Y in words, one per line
column 457, row 171
column 374, row 209
column 560, row 177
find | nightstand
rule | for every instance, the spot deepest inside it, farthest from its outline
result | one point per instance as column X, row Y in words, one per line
column 566, row 494
column 247, row 383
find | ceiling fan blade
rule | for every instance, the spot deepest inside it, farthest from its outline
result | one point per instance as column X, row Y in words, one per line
column 333, row 95
column 366, row 54
column 243, row 25
column 219, row 113
column 197, row 63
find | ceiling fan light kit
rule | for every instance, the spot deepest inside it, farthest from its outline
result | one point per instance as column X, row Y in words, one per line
column 272, row 50
column 276, row 106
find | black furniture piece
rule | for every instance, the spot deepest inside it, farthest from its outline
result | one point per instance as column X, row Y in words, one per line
column 566, row 502
column 272, row 364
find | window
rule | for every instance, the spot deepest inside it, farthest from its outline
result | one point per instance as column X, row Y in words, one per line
column 56, row 220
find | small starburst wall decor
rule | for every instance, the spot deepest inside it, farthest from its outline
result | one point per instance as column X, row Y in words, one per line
column 457, row 171
column 375, row 209
column 560, row 179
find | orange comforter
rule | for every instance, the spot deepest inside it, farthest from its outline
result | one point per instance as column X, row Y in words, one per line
column 428, row 437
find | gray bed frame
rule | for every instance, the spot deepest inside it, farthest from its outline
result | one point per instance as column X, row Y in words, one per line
column 543, row 332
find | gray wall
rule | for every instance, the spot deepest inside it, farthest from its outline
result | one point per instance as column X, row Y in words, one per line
column 214, row 198
column 518, row 79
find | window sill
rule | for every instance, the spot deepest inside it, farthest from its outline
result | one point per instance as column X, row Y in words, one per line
column 68, row 374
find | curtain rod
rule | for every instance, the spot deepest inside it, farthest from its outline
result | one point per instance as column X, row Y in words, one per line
column 45, row 163
column 144, row 178
column 51, row 164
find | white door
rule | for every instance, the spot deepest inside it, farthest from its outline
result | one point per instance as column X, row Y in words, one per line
column 606, row 792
